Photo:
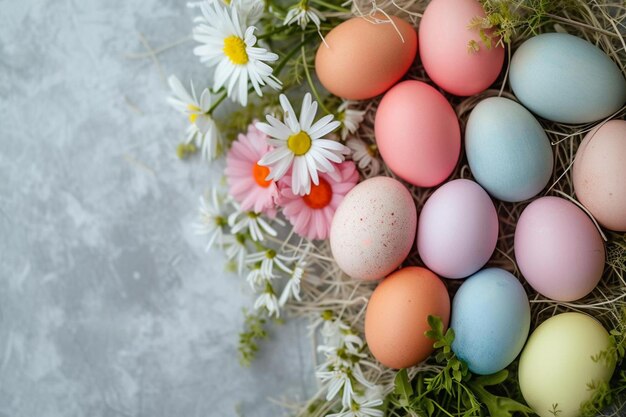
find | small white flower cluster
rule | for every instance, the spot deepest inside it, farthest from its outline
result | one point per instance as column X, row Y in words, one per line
column 341, row 371
column 363, row 154
column 202, row 131
column 302, row 14
column 241, row 234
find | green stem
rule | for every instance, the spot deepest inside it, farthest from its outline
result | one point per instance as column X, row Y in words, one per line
column 274, row 32
column 218, row 102
column 311, row 84
column 443, row 410
column 290, row 55
column 331, row 6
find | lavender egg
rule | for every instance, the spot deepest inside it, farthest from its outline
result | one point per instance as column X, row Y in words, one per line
column 458, row 229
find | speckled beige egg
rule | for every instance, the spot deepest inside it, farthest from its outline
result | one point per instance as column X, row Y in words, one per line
column 373, row 228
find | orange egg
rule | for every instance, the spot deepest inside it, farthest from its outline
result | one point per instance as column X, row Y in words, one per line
column 361, row 59
column 397, row 316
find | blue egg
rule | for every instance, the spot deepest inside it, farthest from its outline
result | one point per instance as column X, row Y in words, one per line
column 491, row 320
column 507, row 149
column 566, row 79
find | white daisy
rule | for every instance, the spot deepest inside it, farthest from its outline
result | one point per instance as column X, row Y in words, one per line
column 302, row 14
column 250, row 11
column 292, row 288
column 251, row 222
column 268, row 301
column 236, row 250
column 365, row 157
column 269, row 258
column 350, row 119
column 202, row 128
column 361, row 408
column 300, row 143
column 332, row 332
column 256, row 277
column 337, row 380
column 212, row 220
column 229, row 45
column 325, row 316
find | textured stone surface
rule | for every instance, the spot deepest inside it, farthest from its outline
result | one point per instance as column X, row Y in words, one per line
column 108, row 304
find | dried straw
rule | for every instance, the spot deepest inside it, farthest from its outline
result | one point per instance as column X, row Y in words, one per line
column 601, row 23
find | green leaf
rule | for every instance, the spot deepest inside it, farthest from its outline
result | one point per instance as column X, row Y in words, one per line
column 458, row 376
column 436, row 328
column 429, row 407
column 497, row 406
column 403, row 387
column 493, row 379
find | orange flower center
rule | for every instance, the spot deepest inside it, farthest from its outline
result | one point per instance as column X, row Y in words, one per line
column 259, row 173
column 320, row 195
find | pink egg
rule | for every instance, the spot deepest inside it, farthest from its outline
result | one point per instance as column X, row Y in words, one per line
column 417, row 133
column 444, row 39
column 457, row 229
column 558, row 249
column 600, row 174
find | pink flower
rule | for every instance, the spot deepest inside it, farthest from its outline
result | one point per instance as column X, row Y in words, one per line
column 312, row 214
column 247, row 182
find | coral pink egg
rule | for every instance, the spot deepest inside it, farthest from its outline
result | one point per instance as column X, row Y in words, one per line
column 558, row 249
column 417, row 133
column 444, row 39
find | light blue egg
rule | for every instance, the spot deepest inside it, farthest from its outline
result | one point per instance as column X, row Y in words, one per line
column 566, row 79
column 491, row 320
column 507, row 149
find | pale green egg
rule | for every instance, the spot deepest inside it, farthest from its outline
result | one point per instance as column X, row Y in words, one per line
column 558, row 367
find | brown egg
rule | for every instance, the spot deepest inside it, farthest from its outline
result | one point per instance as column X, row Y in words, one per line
column 361, row 59
column 397, row 316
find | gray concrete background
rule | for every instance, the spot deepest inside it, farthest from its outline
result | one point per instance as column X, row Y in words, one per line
column 108, row 304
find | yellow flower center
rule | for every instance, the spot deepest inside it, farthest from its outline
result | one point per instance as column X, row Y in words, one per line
column 300, row 143
column 193, row 116
column 235, row 50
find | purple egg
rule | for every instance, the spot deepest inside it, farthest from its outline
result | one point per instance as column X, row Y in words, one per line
column 457, row 230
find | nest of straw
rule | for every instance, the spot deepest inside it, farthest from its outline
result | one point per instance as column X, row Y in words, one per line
column 600, row 22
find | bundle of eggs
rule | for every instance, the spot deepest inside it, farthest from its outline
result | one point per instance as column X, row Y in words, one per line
column 558, row 248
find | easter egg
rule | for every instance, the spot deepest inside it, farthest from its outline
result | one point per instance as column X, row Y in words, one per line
column 490, row 319
column 556, row 368
column 507, row 149
column 558, row 249
column 362, row 58
column 373, row 228
column 600, row 174
column 444, row 48
column 397, row 316
column 417, row 133
column 458, row 229
column 566, row 79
